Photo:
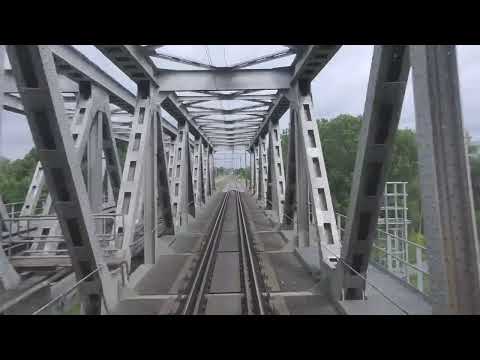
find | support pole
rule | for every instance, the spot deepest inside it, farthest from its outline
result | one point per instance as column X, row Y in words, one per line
column 150, row 191
column 257, row 170
column 383, row 105
column 206, row 172
column 291, row 180
column 252, row 171
column 164, row 212
column 131, row 190
column 447, row 203
column 212, row 169
column 276, row 170
column 262, row 171
column 312, row 181
column 94, row 158
column 182, row 189
column 198, row 172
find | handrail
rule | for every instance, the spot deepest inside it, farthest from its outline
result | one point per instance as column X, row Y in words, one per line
column 368, row 282
column 66, row 292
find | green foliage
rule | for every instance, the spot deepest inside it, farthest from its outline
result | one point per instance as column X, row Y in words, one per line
column 15, row 177
column 221, row 171
column 339, row 137
column 242, row 173
column 122, row 147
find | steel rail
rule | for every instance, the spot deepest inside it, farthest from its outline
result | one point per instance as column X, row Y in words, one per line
column 245, row 265
column 253, row 292
column 198, row 287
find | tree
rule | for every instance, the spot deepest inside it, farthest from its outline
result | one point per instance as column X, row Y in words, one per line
column 339, row 137
column 15, row 177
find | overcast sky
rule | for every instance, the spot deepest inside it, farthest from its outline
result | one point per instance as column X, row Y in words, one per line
column 339, row 88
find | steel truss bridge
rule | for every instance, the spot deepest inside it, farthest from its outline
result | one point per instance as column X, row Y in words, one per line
column 271, row 247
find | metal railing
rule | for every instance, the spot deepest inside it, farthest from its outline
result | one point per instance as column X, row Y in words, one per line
column 68, row 291
column 412, row 273
column 23, row 230
column 418, row 272
column 370, row 283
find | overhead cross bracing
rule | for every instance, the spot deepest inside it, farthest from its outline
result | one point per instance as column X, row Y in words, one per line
column 208, row 80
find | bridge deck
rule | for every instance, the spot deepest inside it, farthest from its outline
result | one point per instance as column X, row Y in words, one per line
column 294, row 290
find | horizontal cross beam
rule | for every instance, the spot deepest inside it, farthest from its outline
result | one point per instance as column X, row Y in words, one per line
column 223, row 80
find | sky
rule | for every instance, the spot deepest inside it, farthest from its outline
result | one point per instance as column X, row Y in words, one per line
column 340, row 88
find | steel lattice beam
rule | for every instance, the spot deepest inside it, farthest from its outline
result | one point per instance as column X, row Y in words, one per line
column 133, row 62
column 35, row 72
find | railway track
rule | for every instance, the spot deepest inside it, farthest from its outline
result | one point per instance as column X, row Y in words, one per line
column 252, row 283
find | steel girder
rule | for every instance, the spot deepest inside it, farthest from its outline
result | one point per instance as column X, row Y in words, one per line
column 141, row 167
column 257, row 170
column 277, row 110
column 447, row 204
column 65, row 84
column 207, row 180
column 276, row 173
column 76, row 66
column 211, row 164
column 163, row 185
column 251, row 187
column 198, row 186
column 91, row 131
column 289, row 208
column 311, row 61
column 34, row 70
column 195, row 98
column 262, row 171
column 221, row 80
column 311, row 181
column 452, row 245
column 182, row 186
column 133, row 62
column 386, row 88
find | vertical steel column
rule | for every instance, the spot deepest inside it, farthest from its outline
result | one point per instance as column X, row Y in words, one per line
column 262, row 171
column 386, row 88
column 198, row 172
column 291, row 180
column 182, row 189
column 312, row 181
column 276, row 170
column 171, row 160
column 251, row 186
column 108, row 192
column 150, row 190
column 301, row 186
column 109, row 146
column 164, row 211
column 246, row 177
column 269, row 185
column 447, row 204
column 94, row 158
column 130, row 195
column 206, row 172
column 36, row 77
column 212, row 169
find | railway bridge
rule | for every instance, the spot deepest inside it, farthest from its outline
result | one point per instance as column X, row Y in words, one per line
column 152, row 229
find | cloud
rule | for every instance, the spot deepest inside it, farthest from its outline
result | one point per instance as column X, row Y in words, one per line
column 339, row 88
